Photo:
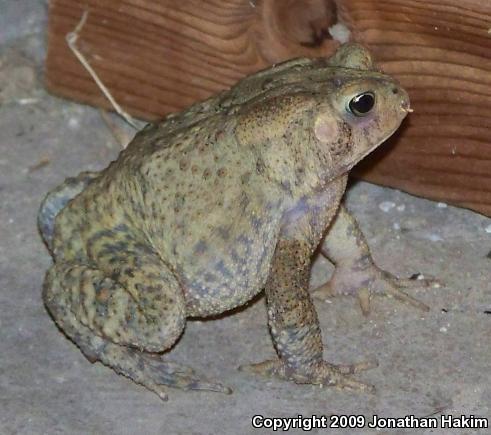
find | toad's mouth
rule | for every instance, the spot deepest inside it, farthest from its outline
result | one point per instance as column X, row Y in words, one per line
column 344, row 169
column 373, row 148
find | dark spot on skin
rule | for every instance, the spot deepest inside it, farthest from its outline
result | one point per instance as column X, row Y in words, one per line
column 206, row 174
column 222, row 172
column 129, row 272
column 223, row 270
column 244, row 178
column 245, row 242
column 200, row 248
column 260, row 166
column 223, row 232
column 362, row 263
column 183, row 164
column 235, row 257
column 299, row 175
column 158, row 297
column 179, row 201
column 143, row 248
column 256, row 223
column 209, row 277
column 266, row 83
column 489, row 255
column 114, row 260
column 101, row 309
column 98, row 236
column 121, row 228
column 286, row 185
column 219, row 135
column 244, row 201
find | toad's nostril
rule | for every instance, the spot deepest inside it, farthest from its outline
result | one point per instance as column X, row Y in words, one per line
column 395, row 91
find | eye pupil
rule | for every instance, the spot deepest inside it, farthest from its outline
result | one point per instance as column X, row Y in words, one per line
column 362, row 104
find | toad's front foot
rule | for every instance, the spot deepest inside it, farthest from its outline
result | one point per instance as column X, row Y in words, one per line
column 365, row 280
column 322, row 373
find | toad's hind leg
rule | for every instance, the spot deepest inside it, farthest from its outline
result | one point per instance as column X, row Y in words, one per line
column 118, row 320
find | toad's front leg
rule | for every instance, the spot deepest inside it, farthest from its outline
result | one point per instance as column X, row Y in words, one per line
column 356, row 272
column 295, row 327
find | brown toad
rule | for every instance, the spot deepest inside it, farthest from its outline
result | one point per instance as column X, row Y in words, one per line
column 210, row 206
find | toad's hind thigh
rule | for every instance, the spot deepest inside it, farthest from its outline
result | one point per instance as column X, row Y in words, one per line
column 149, row 315
column 115, row 325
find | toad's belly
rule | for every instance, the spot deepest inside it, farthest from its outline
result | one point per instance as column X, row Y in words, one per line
column 214, row 284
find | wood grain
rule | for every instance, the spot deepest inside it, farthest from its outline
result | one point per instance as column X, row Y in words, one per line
column 158, row 57
column 441, row 52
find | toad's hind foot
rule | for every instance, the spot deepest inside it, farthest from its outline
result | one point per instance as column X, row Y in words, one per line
column 153, row 373
column 323, row 374
column 147, row 369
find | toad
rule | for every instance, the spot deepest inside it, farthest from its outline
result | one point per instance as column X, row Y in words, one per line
column 205, row 209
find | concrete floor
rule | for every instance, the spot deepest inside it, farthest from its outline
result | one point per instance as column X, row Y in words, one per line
column 432, row 363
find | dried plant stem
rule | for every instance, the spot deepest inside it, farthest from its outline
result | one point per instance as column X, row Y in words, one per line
column 71, row 39
column 121, row 136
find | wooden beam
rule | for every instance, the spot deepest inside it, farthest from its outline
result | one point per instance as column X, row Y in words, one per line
column 158, row 57
column 441, row 53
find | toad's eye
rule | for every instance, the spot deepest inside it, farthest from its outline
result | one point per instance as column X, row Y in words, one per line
column 362, row 104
